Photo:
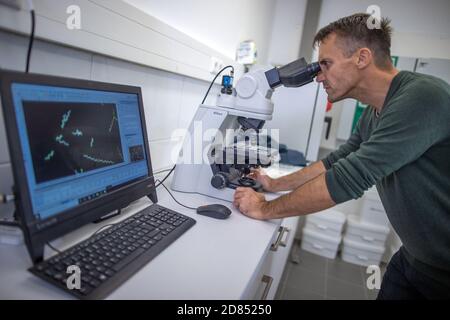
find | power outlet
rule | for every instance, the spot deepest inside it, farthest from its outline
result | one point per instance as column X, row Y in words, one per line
column 15, row 4
column 215, row 65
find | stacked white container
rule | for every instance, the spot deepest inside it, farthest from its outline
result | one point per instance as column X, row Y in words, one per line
column 365, row 237
column 372, row 210
column 322, row 233
column 363, row 242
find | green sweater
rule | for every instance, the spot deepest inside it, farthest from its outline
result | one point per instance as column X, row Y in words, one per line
column 405, row 152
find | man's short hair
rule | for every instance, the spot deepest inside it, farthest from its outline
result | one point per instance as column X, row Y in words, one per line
column 354, row 33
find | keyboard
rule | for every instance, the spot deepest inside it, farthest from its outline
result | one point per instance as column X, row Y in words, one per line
column 110, row 257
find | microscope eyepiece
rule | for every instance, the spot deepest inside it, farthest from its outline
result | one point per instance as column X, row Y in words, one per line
column 294, row 74
column 314, row 69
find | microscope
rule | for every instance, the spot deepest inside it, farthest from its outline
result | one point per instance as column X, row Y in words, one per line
column 225, row 141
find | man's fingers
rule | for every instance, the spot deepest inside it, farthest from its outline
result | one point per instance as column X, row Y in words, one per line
column 238, row 196
column 242, row 189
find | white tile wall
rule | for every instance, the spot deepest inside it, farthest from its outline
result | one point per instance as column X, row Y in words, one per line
column 13, row 51
column 160, row 90
column 170, row 100
column 4, row 152
column 163, row 153
column 60, row 61
column 192, row 95
column 6, row 183
column 6, row 179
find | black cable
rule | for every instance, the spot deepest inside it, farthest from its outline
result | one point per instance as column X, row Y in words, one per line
column 53, row 248
column 174, row 197
column 30, row 44
column 158, row 172
column 97, row 231
column 212, row 82
column 167, row 175
column 102, row 227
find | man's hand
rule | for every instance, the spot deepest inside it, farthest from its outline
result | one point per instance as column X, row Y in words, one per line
column 266, row 181
column 250, row 203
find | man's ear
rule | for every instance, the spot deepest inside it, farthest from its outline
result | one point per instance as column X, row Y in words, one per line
column 364, row 58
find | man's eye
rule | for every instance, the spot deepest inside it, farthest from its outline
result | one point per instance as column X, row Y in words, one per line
column 325, row 64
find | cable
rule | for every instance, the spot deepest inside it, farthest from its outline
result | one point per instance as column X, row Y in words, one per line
column 53, row 248
column 160, row 183
column 102, row 227
column 30, row 44
column 165, row 170
column 164, row 179
column 212, row 82
column 98, row 230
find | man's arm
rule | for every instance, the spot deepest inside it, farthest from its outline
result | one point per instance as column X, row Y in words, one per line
column 311, row 197
column 298, row 178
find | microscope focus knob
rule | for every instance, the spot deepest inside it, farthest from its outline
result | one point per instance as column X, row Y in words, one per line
column 246, row 86
column 219, row 180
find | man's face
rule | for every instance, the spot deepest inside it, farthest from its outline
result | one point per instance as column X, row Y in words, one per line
column 338, row 74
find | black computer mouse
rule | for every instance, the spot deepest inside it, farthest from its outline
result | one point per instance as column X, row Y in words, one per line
column 217, row 211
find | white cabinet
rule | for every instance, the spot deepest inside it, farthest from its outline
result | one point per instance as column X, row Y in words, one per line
column 267, row 278
column 436, row 67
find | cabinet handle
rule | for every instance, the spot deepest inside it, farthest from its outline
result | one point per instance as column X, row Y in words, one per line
column 281, row 231
column 376, row 210
column 361, row 257
column 321, row 226
column 367, row 238
column 288, row 232
column 268, row 280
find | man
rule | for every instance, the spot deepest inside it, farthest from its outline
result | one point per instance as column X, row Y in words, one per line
column 401, row 144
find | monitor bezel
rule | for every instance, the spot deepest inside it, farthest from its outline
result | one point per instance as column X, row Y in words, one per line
column 38, row 232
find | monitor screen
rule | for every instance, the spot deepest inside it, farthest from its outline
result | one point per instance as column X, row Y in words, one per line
column 77, row 144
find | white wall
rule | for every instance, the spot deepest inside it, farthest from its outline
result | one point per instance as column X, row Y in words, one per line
column 222, row 25
column 421, row 28
column 287, row 28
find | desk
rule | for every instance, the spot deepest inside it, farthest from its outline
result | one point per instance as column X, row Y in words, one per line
column 215, row 259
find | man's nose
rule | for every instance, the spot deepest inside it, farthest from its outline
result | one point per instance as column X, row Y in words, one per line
column 320, row 77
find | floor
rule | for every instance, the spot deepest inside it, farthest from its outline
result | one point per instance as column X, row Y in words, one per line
column 318, row 278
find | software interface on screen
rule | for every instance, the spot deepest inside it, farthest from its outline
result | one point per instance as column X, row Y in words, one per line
column 77, row 144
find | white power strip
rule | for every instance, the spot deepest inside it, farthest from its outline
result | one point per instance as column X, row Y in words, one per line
column 11, row 235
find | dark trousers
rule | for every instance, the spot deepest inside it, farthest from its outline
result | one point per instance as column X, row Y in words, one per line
column 402, row 282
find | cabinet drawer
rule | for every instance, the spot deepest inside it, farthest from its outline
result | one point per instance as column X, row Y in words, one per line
column 265, row 284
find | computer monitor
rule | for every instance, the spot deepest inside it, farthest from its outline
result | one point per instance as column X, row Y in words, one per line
column 78, row 150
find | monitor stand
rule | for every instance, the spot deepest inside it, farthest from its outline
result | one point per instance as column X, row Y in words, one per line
column 108, row 216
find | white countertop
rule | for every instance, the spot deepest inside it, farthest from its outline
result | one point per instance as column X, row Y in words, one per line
column 215, row 259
